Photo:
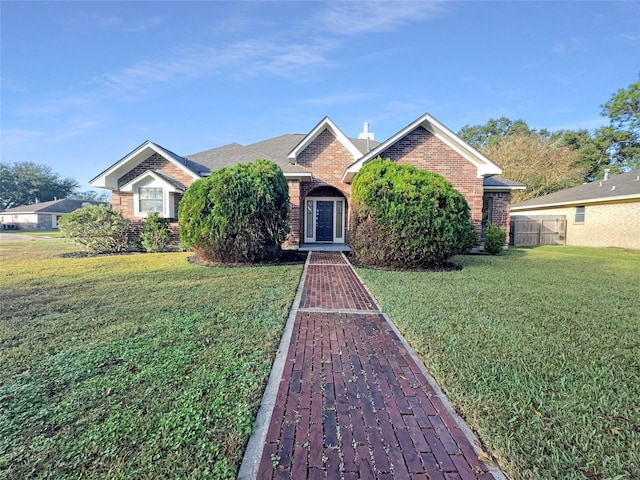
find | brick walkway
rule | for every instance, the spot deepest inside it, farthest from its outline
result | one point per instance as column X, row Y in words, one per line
column 352, row 402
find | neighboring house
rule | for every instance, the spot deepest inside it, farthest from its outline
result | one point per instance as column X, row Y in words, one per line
column 319, row 168
column 604, row 213
column 40, row 216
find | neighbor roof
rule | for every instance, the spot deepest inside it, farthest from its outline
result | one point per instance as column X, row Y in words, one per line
column 66, row 205
column 625, row 186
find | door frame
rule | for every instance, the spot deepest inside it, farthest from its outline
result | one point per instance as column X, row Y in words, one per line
column 339, row 215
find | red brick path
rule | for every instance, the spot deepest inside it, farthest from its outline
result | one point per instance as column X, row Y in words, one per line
column 352, row 402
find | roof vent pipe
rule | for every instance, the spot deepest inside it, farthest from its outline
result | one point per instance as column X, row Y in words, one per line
column 366, row 134
column 606, row 174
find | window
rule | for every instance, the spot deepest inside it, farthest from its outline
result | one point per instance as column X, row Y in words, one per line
column 579, row 214
column 151, row 200
column 338, row 218
column 309, row 218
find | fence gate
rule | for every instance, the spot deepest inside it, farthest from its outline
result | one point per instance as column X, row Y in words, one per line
column 534, row 230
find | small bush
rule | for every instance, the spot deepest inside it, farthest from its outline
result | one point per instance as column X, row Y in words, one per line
column 495, row 239
column 98, row 228
column 404, row 217
column 155, row 236
column 237, row 214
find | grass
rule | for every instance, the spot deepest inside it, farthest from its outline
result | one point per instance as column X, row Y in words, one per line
column 133, row 366
column 540, row 351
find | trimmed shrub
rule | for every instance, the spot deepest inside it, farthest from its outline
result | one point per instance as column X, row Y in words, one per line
column 98, row 228
column 155, row 236
column 404, row 217
column 494, row 239
column 237, row 214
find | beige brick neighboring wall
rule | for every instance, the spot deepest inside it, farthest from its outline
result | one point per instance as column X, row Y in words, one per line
column 605, row 225
column 423, row 150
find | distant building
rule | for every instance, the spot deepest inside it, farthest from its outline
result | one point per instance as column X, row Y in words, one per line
column 40, row 216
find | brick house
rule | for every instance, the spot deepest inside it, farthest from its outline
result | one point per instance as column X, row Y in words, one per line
column 319, row 168
column 603, row 213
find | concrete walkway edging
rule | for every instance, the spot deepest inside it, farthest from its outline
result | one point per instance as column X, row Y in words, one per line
column 253, row 453
column 464, row 427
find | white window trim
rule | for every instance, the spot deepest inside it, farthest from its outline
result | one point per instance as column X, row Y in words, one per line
column 312, row 239
column 167, row 202
column 151, row 180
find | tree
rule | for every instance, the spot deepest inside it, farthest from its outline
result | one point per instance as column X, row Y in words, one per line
column 237, row 214
column 479, row 136
column 93, row 195
column 544, row 165
column 623, row 132
column 404, row 217
column 623, row 108
column 25, row 183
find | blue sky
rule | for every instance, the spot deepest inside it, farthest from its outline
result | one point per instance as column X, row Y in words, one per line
column 84, row 83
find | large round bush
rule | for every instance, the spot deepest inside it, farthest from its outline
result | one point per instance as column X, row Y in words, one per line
column 237, row 214
column 98, row 228
column 404, row 217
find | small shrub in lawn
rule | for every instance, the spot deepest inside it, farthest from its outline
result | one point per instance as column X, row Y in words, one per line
column 98, row 228
column 495, row 238
column 155, row 236
column 405, row 217
column 237, row 214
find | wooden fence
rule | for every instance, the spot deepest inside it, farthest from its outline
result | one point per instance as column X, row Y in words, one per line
column 534, row 230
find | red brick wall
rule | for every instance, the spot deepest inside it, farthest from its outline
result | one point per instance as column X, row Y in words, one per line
column 423, row 150
column 123, row 201
column 295, row 214
column 501, row 210
column 327, row 159
column 157, row 162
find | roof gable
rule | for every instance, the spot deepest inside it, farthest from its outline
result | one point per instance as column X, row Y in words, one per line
column 325, row 124
column 166, row 181
column 484, row 166
column 109, row 178
column 625, row 186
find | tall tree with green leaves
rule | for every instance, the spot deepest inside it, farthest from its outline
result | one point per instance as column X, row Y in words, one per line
column 25, row 183
column 623, row 132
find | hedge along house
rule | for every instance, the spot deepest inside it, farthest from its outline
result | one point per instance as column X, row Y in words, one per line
column 319, row 168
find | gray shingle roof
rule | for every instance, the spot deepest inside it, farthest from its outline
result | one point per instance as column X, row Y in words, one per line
column 501, row 182
column 625, row 184
column 66, row 205
column 275, row 149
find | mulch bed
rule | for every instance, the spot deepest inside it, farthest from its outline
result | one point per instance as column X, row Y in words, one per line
column 286, row 257
column 443, row 267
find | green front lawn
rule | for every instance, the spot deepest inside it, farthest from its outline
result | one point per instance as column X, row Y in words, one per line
column 540, row 351
column 132, row 366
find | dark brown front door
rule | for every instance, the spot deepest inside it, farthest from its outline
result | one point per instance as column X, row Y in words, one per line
column 324, row 221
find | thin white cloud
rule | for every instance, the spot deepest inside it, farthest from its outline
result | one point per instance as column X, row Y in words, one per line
column 11, row 86
column 248, row 58
column 351, row 18
column 569, row 45
column 15, row 137
column 341, row 98
column 145, row 24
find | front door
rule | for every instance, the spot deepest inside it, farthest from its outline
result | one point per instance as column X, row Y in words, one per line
column 324, row 221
